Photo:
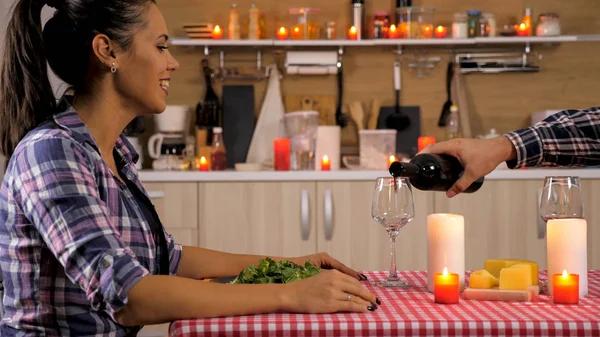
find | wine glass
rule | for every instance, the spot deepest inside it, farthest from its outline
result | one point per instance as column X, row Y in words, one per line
column 561, row 198
column 393, row 207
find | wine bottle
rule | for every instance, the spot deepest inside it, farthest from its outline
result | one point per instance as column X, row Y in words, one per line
column 432, row 172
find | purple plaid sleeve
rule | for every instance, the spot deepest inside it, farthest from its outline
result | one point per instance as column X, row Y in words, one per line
column 60, row 196
column 567, row 138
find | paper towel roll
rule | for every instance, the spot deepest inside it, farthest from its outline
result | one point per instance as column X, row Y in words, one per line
column 566, row 241
column 328, row 143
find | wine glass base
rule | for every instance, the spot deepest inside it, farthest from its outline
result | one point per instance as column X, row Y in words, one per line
column 395, row 284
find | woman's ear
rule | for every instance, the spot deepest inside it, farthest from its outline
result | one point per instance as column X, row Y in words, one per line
column 104, row 50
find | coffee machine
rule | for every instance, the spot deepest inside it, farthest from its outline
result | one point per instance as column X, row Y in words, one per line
column 168, row 146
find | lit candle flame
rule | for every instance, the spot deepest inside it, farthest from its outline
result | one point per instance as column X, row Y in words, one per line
column 564, row 273
column 392, row 159
column 325, row 159
column 440, row 29
column 282, row 30
column 202, row 160
column 445, row 273
column 392, row 28
column 296, row 29
column 352, row 30
column 522, row 26
column 217, row 29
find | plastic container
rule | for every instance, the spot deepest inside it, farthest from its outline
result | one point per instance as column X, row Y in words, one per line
column 304, row 24
column 376, row 147
column 301, row 129
column 415, row 22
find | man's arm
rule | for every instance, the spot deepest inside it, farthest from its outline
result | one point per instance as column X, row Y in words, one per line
column 567, row 138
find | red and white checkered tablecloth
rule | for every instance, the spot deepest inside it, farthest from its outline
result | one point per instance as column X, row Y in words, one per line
column 412, row 312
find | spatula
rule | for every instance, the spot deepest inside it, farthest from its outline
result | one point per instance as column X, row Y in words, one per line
column 397, row 120
column 446, row 107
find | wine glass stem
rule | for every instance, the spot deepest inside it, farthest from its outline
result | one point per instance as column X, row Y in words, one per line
column 393, row 275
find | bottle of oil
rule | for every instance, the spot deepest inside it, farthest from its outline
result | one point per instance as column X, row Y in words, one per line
column 234, row 23
column 253, row 23
column 453, row 129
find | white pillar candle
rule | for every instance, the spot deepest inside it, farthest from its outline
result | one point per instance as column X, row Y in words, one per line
column 566, row 247
column 445, row 246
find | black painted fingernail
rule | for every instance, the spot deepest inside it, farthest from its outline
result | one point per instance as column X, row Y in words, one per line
column 363, row 276
column 377, row 300
column 372, row 307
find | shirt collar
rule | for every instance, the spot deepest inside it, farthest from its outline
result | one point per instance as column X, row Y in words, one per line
column 69, row 119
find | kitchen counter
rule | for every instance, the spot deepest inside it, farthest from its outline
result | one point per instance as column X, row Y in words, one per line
column 344, row 175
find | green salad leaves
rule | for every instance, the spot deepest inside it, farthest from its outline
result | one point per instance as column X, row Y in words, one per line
column 269, row 271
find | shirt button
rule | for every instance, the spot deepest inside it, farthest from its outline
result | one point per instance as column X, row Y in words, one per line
column 130, row 176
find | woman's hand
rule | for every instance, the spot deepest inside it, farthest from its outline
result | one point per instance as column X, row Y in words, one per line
column 478, row 156
column 324, row 261
column 327, row 292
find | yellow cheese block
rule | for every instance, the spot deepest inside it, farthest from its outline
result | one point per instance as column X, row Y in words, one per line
column 494, row 267
column 515, row 278
column 482, row 279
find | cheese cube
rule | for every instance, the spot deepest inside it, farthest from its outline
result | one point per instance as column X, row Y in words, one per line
column 495, row 266
column 515, row 278
column 482, row 279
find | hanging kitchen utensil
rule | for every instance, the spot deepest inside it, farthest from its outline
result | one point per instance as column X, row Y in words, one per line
column 446, row 107
column 208, row 112
column 341, row 118
column 397, row 120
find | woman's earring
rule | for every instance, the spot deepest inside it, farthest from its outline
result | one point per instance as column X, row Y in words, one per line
column 113, row 69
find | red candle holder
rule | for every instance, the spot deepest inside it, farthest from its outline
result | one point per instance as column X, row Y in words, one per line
column 281, row 158
column 446, row 288
column 325, row 163
column 565, row 288
column 217, row 33
column 440, row 32
column 423, row 141
column 352, row 33
column 203, row 164
column 282, row 33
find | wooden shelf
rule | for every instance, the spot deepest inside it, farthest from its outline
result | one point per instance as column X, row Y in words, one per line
column 383, row 42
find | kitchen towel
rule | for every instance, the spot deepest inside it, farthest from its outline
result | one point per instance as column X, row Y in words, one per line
column 270, row 123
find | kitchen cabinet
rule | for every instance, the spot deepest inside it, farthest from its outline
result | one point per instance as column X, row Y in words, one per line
column 266, row 218
column 501, row 221
column 346, row 230
column 176, row 205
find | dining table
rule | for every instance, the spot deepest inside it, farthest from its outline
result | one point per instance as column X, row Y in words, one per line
column 412, row 312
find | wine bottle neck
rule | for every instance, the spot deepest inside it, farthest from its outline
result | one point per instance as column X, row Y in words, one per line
column 404, row 170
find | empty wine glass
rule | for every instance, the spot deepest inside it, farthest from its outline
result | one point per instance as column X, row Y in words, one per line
column 393, row 207
column 561, row 198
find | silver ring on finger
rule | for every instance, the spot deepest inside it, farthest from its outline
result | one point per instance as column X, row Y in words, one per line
column 348, row 297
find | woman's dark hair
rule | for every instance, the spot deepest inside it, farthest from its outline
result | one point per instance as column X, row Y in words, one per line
column 26, row 96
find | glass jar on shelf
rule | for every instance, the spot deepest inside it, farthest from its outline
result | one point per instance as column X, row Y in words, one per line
column 482, row 28
column 459, row 26
column 490, row 19
column 473, row 17
column 548, row 25
column 381, row 24
column 415, row 22
column 329, row 30
column 303, row 24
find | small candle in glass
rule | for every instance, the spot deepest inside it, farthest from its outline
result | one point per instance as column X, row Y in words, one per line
column 393, row 32
column 217, row 33
column 282, row 33
column 446, row 288
column 352, row 33
column 391, row 159
column 565, row 288
column 203, row 164
column 441, row 32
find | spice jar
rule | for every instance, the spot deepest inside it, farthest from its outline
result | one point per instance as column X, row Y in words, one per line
column 459, row 26
column 490, row 19
column 548, row 25
column 473, row 17
column 233, row 30
column 381, row 24
column 329, row 31
column 482, row 28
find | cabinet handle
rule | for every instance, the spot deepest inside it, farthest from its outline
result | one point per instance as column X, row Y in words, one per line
column 156, row 194
column 304, row 214
column 541, row 228
column 328, row 215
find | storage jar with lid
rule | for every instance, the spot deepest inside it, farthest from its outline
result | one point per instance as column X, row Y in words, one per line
column 303, row 24
column 381, row 24
column 329, row 31
column 473, row 22
column 459, row 26
column 490, row 19
column 548, row 25
column 415, row 22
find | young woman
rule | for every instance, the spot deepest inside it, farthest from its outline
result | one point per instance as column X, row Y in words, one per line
column 82, row 251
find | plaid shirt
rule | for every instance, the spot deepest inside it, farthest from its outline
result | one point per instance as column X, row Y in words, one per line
column 73, row 240
column 567, row 138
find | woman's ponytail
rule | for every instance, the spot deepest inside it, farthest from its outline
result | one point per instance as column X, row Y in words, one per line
column 26, row 96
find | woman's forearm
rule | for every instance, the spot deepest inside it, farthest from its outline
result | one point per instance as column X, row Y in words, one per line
column 159, row 299
column 198, row 263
